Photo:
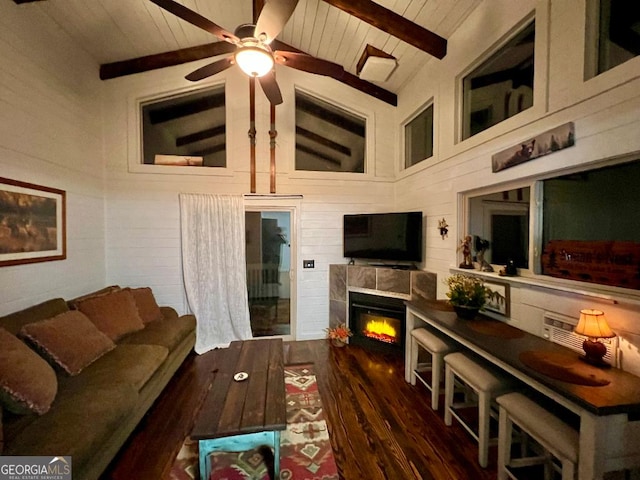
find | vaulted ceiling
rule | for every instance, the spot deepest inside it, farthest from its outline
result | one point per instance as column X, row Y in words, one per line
column 119, row 31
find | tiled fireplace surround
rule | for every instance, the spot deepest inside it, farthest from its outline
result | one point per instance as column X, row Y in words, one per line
column 380, row 281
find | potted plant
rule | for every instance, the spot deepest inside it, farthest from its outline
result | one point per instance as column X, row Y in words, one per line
column 339, row 335
column 467, row 294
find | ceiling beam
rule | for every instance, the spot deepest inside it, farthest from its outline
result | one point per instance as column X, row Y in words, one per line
column 307, row 106
column 394, row 24
column 322, row 156
column 349, row 79
column 162, row 60
column 201, row 135
column 324, row 141
column 166, row 114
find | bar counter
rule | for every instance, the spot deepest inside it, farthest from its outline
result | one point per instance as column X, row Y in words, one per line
column 607, row 401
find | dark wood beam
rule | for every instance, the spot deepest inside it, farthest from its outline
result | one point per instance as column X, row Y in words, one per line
column 210, row 151
column 319, row 155
column 306, row 105
column 394, row 24
column 165, row 114
column 349, row 79
column 324, row 141
column 201, row 135
column 162, row 60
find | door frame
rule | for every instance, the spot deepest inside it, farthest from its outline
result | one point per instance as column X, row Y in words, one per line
column 265, row 203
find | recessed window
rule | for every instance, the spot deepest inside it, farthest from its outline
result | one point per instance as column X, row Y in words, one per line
column 619, row 33
column 590, row 230
column 500, row 222
column 418, row 138
column 186, row 130
column 502, row 86
column 328, row 138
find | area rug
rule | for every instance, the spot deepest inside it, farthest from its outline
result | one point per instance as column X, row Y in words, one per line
column 305, row 449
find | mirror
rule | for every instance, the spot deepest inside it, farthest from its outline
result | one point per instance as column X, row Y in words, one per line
column 500, row 222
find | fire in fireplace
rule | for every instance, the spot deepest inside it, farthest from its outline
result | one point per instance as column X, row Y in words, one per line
column 377, row 322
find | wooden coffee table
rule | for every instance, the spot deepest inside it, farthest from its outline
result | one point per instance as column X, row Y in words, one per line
column 240, row 415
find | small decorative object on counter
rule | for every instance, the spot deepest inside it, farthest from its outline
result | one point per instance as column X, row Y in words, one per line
column 465, row 246
column 481, row 246
column 467, row 294
column 339, row 335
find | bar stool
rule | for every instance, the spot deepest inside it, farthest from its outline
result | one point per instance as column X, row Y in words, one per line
column 486, row 384
column 437, row 348
column 556, row 437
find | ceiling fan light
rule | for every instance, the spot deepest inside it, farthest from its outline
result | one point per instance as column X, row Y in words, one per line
column 254, row 61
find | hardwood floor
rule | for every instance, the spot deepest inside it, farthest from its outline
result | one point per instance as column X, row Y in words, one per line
column 380, row 426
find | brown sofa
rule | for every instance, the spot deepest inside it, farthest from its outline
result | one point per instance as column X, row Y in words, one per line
column 94, row 411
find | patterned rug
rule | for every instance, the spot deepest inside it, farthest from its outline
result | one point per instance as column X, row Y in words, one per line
column 305, row 449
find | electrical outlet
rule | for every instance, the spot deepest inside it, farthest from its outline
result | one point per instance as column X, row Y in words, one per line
column 308, row 264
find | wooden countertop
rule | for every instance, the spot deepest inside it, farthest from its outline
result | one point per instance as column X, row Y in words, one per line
column 505, row 343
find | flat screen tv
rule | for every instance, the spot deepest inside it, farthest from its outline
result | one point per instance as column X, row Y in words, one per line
column 395, row 237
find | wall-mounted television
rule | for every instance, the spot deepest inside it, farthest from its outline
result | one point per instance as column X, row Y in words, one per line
column 395, row 237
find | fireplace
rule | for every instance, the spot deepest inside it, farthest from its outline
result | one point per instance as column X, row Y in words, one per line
column 377, row 322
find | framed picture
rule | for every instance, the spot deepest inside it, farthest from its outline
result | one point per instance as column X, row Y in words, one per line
column 499, row 300
column 32, row 223
column 543, row 144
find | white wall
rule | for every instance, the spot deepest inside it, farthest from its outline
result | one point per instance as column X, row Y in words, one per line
column 142, row 215
column 50, row 134
column 606, row 112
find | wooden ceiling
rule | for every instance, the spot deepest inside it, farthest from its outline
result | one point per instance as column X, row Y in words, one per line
column 114, row 31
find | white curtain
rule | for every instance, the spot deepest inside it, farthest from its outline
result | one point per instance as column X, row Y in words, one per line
column 214, row 268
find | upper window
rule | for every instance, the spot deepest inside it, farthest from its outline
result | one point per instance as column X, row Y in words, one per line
column 619, row 33
column 185, row 130
column 502, row 86
column 328, row 138
column 418, row 138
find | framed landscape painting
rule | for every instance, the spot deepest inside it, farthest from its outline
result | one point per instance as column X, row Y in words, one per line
column 32, row 223
column 499, row 300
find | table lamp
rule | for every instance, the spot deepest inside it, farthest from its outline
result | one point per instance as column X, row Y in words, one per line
column 594, row 326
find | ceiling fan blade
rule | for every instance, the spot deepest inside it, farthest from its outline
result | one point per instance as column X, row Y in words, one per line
column 273, row 18
column 308, row 63
column 196, row 19
column 211, row 69
column 270, row 88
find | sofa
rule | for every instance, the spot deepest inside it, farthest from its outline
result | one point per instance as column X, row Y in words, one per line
column 77, row 376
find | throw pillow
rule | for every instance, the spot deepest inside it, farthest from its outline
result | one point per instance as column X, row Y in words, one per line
column 69, row 341
column 73, row 303
column 27, row 383
column 147, row 306
column 115, row 314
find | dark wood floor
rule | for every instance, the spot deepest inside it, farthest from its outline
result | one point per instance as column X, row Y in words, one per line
column 380, row 426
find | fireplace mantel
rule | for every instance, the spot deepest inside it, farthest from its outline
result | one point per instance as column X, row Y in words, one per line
column 380, row 281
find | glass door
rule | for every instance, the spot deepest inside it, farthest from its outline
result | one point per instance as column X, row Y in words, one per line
column 269, row 252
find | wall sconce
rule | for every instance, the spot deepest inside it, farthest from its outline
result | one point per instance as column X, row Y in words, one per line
column 443, row 227
column 593, row 325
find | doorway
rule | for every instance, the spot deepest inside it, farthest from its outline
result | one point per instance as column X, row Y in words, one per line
column 269, row 253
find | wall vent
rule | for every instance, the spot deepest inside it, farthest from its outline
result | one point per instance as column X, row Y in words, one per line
column 559, row 329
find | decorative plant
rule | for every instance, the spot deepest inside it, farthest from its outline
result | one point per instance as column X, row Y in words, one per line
column 341, row 332
column 467, row 291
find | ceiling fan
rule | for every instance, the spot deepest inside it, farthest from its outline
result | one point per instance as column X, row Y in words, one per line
column 251, row 46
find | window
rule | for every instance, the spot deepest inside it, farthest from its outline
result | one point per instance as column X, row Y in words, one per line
column 185, row 130
column 501, row 87
column 328, row 138
column 589, row 230
column 418, row 138
column 501, row 221
column 582, row 226
column 618, row 37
